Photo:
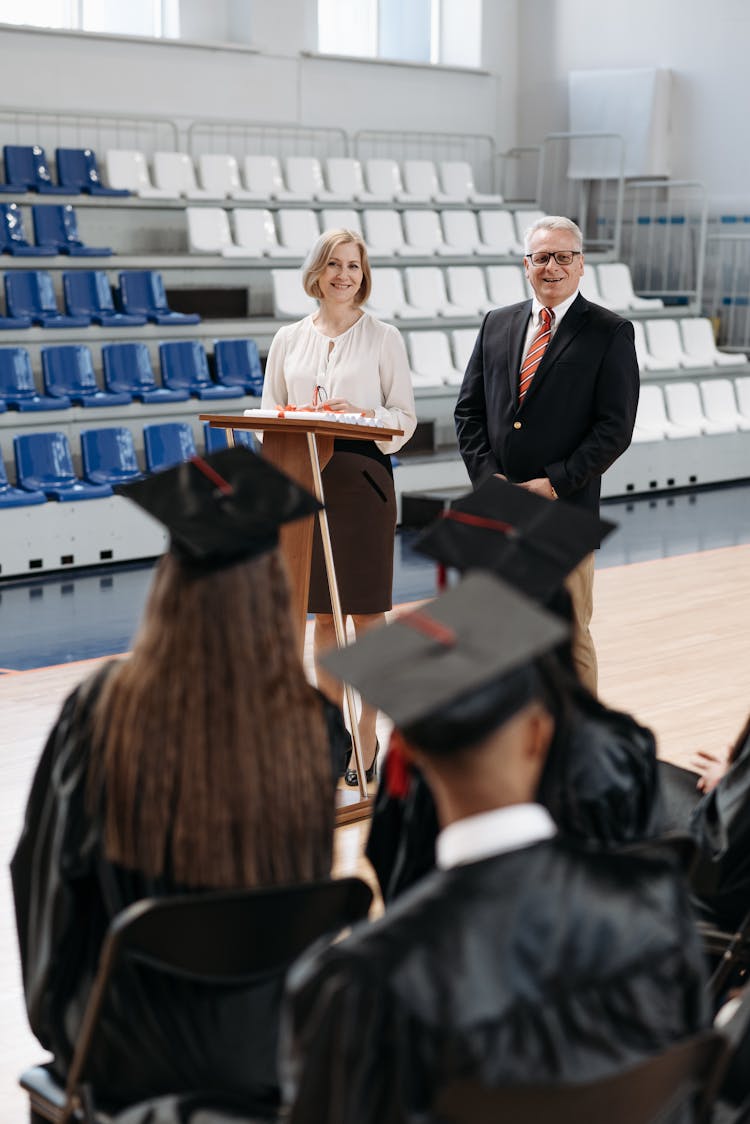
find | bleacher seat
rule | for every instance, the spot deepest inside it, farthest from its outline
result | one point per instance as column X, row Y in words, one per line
column 255, row 236
column 30, row 293
column 425, row 287
column 498, row 232
column 208, row 230
column 88, row 293
column 215, row 439
column 506, row 284
column 26, row 169
column 684, row 408
column 383, row 232
column 108, row 456
column 424, row 235
column 44, row 464
column 344, row 175
column 128, row 370
column 3, row 406
column 304, row 176
column 298, row 229
column 237, row 363
column 387, row 299
column 16, row 497
column 461, row 232
column 742, row 390
column 264, row 179
column 463, row 340
column 698, row 342
column 383, row 179
column 341, row 218
column 9, row 323
column 431, row 360
column 167, row 444
column 77, row 170
column 17, row 386
column 128, row 168
column 220, row 174
column 420, row 181
column 13, row 236
column 68, row 371
column 142, row 293
column 58, row 227
column 647, row 361
column 184, row 366
column 522, row 220
column 616, row 286
column 664, row 343
column 457, row 182
column 290, row 301
column 651, row 421
column 467, row 288
column 720, row 405
column 174, row 172
column 589, row 287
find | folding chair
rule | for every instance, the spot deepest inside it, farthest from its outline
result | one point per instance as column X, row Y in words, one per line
column 238, row 364
column 77, row 170
column 183, row 947
column 108, row 456
column 688, row 1073
column 44, row 464
column 167, row 444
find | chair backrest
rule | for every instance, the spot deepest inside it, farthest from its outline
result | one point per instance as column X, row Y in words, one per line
column 717, row 396
column 505, row 284
column 426, row 286
column 341, row 218
column 456, row 178
column 238, row 361
column 142, row 290
column 174, row 171
column 167, row 444
column 387, row 290
column 698, row 338
column 11, row 226
column 26, row 164
column 304, row 175
column 498, row 231
column 616, row 284
column 467, row 285
column 127, row 367
column 16, row 374
column 298, row 229
column 523, row 220
column 208, row 229
column 422, row 229
column 263, row 175
column 460, row 229
column 684, row 1075
column 641, row 346
column 383, row 177
column 590, row 286
column 55, row 225
column 742, row 389
column 87, row 291
column 344, row 175
column 664, row 340
column 383, row 230
column 254, row 229
column 463, row 340
column 652, row 412
column 29, row 292
column 184, row 364
column 219, row 173
column 127, row 168
column 43, row 459
column 77, row 167
column 683, row 403
column 430, row 354
column 108, row 455
column 289, row 298
column 68, row 368
column 420, row 178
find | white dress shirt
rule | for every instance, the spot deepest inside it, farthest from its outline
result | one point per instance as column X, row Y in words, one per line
column 492, row 833
column 535, row 322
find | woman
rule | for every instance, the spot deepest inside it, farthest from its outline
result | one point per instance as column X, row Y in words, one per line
column 168, row 772
column 342, row 359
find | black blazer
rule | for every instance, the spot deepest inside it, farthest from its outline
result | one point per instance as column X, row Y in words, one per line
column 578, row 414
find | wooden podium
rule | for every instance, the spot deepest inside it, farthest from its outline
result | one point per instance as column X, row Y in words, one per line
column 301, row 447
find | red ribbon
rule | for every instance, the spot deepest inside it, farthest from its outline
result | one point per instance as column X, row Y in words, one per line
column 429, row 627
column 203, row 466
column 397, row 768
column 478, row 521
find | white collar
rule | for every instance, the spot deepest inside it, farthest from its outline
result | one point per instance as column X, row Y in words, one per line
column 493, row 833
column 559, row 310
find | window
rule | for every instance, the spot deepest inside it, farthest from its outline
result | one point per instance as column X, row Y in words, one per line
column 426, row 31
column 153, row 18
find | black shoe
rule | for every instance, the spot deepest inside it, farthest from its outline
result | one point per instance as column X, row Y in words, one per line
column 350, row 775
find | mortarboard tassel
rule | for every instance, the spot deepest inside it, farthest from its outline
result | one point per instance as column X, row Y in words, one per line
column 397, row 768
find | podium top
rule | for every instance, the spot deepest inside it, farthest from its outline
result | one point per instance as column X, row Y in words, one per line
column 290, row 424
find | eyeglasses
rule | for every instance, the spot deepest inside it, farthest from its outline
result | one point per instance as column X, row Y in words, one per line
column 320, row 395
column 562, row 257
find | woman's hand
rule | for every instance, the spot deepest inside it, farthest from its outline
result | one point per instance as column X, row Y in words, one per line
column 711, row 766
column 344, row 406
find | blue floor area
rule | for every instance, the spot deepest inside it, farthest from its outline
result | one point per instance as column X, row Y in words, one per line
column 78, row 616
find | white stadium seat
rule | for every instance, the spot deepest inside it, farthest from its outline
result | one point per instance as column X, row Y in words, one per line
column 387, row 299
column 304, row 176
column 343, row 218
column 467, row 288
column 720, row 405
column 457, row 183
column 383, row 178
column 498, row 232
column 425, row 286
column 651, row 418
column 174, row 172
column 742, row 390
column 590, row 287
column 616, row 286
column 460, row 231
column 290, row 301
column 420, row 181
column 684, row 408
column 208, row 230
column 384, row 234
column 431, row 361
column 423, row 235
column 264, row 179
column 255, row 235
column 664, row 342
column 506, row 284
column 698, row 342
column 220, row 174
column 128, row 169
column 647, row 361
column 463, row 340
column 344, row 176
column 523, row 220
column 298, row 229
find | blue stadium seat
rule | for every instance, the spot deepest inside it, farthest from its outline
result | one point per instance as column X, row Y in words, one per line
column 167, row 444
column 87, row 293
column 17, row 386
column 31, row 294
column 238, row 364
column 58, row 226
column 184, row 366
column 44, row 464
column 215, row 440
column 77, row 170
column 3, row 406
column 26, row 168
column 109, row 456
column 16, row 497
column 13, row 238
column 142, row 291
column 128, row 370
column 69, row 371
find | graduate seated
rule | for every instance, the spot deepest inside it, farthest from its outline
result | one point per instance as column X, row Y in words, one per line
column 202, row 761
column 523, row 957
column 600, row 781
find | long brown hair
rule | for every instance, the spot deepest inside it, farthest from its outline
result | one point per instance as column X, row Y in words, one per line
column 214, row 762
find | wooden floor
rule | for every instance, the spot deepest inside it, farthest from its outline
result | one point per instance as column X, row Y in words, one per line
column 673, row 638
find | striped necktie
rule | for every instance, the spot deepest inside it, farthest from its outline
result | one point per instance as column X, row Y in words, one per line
column 535, row 354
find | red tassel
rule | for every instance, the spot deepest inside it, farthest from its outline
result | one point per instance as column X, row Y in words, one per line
column 442, row 577
column 397, row 768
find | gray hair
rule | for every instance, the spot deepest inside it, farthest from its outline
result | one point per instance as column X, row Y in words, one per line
column 552, row 222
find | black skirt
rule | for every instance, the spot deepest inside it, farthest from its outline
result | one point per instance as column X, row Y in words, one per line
column 361, row 507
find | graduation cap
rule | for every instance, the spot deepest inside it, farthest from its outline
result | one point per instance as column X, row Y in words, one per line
column 222, row 508
column 460, row 664
column 530, row 541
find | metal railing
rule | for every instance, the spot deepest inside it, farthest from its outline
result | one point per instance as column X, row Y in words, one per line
column 477, row 149
column 53, row 129
column 517, row 174
column 726, row 295
column 664, row 239
column 267, row 138
column 581, row 175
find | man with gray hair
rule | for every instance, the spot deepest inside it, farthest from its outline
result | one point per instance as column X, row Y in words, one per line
column 549, row 396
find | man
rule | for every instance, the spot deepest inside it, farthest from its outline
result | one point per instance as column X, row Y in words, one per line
column 549, row 396
column 524, row 957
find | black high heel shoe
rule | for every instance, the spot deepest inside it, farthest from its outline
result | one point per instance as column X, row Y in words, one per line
column 350, row 775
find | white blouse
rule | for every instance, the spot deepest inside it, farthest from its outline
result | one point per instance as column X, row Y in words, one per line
column 367, row 365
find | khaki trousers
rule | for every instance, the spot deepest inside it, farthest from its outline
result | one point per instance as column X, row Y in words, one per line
column 580, row 586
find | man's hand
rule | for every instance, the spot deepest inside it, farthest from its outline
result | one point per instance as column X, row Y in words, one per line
column 540, row 487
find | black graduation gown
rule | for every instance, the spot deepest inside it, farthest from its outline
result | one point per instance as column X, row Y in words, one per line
column 600, row 785
column 542, row 964
column 156, row 1035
